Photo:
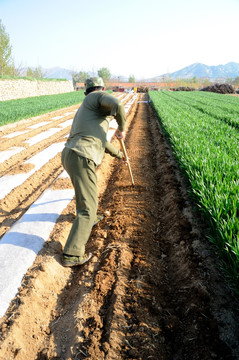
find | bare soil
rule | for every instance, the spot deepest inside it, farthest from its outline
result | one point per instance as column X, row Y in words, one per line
column 154, row 288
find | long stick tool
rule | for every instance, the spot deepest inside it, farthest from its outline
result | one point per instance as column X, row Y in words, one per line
column 127, row 159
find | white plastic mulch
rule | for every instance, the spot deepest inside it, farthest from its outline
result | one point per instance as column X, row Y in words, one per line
column 5, row 155
column 21, row 244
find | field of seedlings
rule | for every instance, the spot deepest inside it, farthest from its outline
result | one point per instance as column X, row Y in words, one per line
column 203, row 131
column 13, row 110
column 161, row 281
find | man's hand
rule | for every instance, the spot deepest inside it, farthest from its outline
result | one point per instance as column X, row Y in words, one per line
column 120, row 134
column 124, row 160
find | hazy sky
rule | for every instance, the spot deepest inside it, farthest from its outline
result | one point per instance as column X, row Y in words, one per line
column 144, row 38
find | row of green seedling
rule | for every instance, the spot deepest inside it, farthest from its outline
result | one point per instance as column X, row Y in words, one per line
column 207, row 151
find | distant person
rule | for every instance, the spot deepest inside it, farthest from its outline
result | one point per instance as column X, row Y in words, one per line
column 83, row 152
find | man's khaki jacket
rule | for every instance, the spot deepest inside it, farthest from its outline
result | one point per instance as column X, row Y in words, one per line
column 91, row 123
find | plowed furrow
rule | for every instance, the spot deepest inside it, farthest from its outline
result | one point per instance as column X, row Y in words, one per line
column 21, row 139
column 11, row 166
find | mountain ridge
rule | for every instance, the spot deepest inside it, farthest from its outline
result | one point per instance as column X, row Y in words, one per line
column 198, row 70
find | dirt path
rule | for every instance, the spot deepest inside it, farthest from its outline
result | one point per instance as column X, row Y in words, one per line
column 152, row 290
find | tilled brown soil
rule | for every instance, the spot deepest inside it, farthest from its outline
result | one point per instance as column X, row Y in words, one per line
column 153, row 289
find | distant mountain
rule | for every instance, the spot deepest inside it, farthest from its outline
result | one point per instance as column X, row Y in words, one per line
column 58, row 73
column 230, row 70
column 52, row 73
column 61, row 73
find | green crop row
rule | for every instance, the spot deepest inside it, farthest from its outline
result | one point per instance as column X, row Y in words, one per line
column 207, row 150
column 14, row 110
column 224, row 108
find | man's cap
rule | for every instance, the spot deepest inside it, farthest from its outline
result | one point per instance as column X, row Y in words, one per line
column 93, row 82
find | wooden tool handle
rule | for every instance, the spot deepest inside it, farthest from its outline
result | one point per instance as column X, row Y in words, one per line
column 127, row 159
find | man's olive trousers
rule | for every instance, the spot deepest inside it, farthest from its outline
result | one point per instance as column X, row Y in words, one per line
column 84, row 180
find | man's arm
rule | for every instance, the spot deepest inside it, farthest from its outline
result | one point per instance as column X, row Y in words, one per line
column 113, row 151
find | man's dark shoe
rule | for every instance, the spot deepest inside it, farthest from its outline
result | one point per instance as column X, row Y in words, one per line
column 99, row 217
column 71, row 260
